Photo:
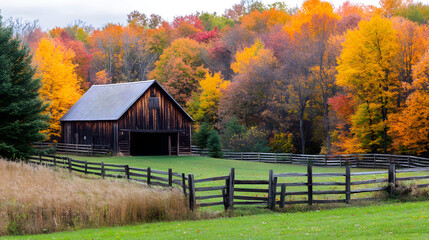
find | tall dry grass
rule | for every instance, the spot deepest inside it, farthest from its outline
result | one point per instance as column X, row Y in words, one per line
column 36, row 199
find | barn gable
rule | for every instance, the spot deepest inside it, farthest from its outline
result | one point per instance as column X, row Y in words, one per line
column 138, row 118
column 110, row 101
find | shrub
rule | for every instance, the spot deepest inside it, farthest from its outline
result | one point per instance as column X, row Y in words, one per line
column 282, row 143
column 214, row 145
column 253, row 140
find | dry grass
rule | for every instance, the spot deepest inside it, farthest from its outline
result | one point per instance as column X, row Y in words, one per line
column 36, row 199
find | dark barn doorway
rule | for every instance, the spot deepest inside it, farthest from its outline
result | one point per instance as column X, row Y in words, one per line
column 149, row 144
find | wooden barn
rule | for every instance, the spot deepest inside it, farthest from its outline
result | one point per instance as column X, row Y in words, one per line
column 138, row 118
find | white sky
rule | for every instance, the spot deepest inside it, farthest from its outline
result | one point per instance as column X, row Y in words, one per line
column 51, row 13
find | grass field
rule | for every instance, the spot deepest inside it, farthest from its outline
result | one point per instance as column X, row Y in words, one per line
column 204, row 167
column 382, row 221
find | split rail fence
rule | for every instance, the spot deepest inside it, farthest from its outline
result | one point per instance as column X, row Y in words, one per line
column 279, row 189
column 354, row 160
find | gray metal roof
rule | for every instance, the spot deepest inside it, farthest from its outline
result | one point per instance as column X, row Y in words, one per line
column 109, row 102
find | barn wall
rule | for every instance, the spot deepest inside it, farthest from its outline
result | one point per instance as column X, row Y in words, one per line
column 91, row 132
column 169, row 117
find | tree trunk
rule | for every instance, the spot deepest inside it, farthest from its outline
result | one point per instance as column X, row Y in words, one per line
column 301, row 128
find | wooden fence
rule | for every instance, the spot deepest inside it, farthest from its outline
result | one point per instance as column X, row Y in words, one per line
column 143, row 175
column 77, row 149
column 277, row 189
column 354, row 160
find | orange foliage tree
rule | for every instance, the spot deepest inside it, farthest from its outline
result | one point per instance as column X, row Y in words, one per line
column 410, row 127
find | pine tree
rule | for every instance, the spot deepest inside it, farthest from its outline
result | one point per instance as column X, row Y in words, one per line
column 214, row 145
column 202, row 135
column 20, row 106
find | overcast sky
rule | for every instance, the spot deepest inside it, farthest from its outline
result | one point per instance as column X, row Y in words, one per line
column 51, row 13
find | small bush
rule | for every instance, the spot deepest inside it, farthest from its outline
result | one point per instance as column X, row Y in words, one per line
column 403, row 191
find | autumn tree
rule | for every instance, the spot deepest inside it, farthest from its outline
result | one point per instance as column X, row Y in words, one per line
column 60, row 84
column 248, row 95
column 366, row 69
column 180, row 69
column 106, row 46
column 412, row 44
column 21, row 118
column 410, row 127
column 205, row 105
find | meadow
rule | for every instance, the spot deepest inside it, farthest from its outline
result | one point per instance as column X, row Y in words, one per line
column 37, row 199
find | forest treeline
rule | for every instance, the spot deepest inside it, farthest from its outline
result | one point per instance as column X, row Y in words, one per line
column 313, row 79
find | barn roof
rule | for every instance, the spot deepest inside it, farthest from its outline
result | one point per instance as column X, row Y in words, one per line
column 110, row 101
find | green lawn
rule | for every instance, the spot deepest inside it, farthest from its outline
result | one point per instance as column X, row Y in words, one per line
column 382, row 221
column 204, row 167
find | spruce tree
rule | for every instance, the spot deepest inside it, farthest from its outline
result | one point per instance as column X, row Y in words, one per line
column 202, row 135
column 214, row 145
column 20, row 106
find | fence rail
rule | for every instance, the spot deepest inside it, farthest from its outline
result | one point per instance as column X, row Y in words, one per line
column 354, row 160
column 78, row 149
column 278, row 189
column 142, row 175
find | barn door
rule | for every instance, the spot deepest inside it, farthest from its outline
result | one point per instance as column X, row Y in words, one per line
column 124, row 142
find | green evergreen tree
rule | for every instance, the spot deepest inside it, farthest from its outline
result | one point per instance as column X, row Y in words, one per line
column 214, row 145
column 20, row 105
column 202, row 135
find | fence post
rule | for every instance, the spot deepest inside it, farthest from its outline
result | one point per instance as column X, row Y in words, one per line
column 86, row 167
column 170, row 177
column 148, row 176
column 102, row 169
column 409, row 165
column 282, row 196
column 231, row 188
column 191, row 191
column 70, row 164
column 184, row 183
column 225, row 199
column 274, row 194
column 348, row 178
column 392, row 178
column 310, row 184
column 127, row 171
column 270, row 187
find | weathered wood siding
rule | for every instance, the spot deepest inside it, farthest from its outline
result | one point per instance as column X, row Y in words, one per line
column 168, row 117
column 91, row 132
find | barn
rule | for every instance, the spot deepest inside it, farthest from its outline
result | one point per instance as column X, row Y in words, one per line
column 137, row 118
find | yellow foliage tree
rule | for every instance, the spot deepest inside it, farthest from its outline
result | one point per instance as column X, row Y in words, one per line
column 367, row 69
column 212, row 87
column 254, row 54
column 60, row 84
